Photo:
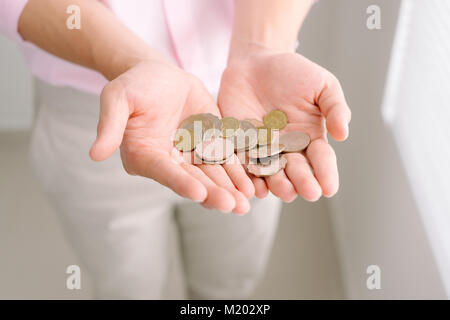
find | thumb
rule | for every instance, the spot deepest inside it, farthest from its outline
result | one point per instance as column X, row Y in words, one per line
column 335, row 109
column 114, row 113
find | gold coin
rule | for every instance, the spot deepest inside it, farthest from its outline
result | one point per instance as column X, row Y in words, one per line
column 265, row 136
column 185, row 139
column 275, row 119
column 229, row 126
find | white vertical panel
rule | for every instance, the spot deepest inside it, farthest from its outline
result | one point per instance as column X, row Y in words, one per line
column 376, row 219
column 417, row 107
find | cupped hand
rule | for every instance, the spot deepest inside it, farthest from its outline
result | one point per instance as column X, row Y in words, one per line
column 314, row 102
column 140, row 111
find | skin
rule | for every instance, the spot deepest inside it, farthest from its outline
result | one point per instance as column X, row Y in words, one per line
column 148, row 96
column 142, row 105
column 141, row 115
column 264, row 73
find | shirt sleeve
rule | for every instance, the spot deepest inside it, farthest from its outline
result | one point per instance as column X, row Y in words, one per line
column 10, row 11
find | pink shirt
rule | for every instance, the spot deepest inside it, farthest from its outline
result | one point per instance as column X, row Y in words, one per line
column 194, row 34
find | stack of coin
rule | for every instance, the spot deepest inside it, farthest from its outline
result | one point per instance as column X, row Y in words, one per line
column 265, row 170
column 215, row 140
column 265, row 160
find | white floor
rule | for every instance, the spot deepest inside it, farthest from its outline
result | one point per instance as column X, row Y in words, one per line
column 34, row 254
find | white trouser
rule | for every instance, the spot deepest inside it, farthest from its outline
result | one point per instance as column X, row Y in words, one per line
column 120, row 225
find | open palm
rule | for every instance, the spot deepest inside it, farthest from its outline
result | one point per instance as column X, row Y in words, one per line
column 140, row 111
column 314, row 103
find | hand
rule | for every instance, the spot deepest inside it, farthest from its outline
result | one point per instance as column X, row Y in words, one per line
column 313, row 100
column 140, row 111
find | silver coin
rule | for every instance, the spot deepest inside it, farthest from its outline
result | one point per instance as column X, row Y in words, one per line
column 205, row 120
column 246, row 137
column 211, row 122
column 212, row 133
column 245, row 140
column 265, row 151
column 188, row 123
column 294, row 141
column 214, row 150
column 267, row 160
column 246, row 125
column 214, row 162
column 277, row 164
column 256, row 123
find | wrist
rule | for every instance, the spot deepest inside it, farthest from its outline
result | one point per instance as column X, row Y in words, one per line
column 246, row 49
column 120, row 61
column 264, row 39
column 266, row 25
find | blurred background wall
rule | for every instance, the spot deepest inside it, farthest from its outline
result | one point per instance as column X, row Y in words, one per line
column 374, row 216
column 322, row 250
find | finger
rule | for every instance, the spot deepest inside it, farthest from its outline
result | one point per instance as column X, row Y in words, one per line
column 239, row 177
column 323, row 161
column 261, row 189
column 218, row 175
column 280, row 186
column 114, row 113
column 300, row 174
column 162, row 168
column 332, row 103
column 218, row 198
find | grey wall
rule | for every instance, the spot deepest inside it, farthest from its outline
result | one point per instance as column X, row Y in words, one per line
column 15, row 88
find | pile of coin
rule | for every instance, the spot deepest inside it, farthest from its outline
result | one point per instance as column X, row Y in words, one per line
column 258, row 144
